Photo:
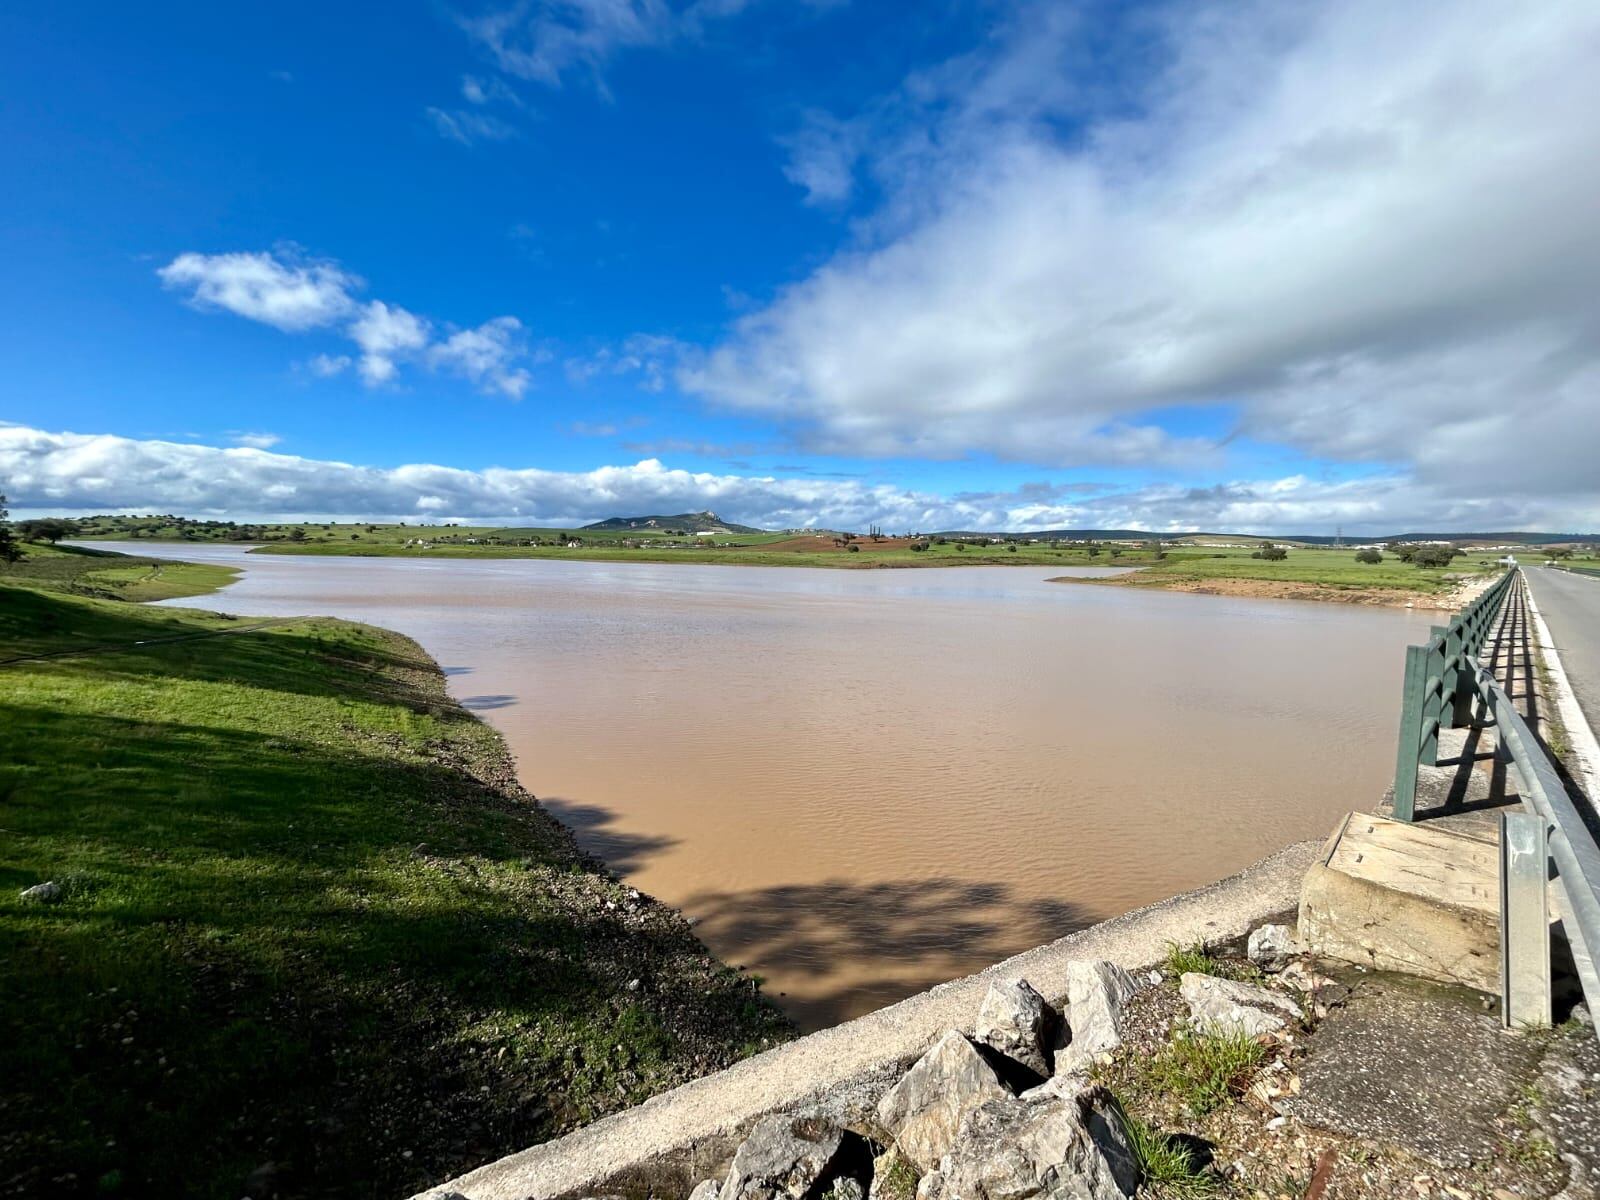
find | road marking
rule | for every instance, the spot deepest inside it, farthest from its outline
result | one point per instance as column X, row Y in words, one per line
column 1585, row 750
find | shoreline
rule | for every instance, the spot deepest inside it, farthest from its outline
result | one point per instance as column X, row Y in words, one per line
column 1294, row 589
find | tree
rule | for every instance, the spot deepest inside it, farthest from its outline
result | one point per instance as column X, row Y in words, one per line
column 9, row 550
column 961, row 547
column 1406, row 552
column 297, row 534
column 1434, row 556
column 1011, row 547
column 1368, row 555
column 1116, row 552
column 1271, row 552
column 46, row 529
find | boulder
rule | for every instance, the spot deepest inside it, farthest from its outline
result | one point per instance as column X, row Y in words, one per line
column 1223, row 1006
column 42, row 893
column 706, row 1190
column 1015, row 1020
column 1062, row 1148
column 794, row 1158
column 1097, row 994
column 1271, row 947
column 924, row 1110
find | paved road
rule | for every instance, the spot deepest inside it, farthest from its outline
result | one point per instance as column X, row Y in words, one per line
column 1570, row 605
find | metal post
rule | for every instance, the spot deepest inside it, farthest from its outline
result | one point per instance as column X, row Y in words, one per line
column 1405, row 768
column 1457, row 694
column 1524, row 921
column 1432, row 699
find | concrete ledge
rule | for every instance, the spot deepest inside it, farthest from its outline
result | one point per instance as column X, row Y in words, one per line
column 682, row 1136
column 1414, row 898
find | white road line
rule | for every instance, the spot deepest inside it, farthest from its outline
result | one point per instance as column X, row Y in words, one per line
column 1584, row 755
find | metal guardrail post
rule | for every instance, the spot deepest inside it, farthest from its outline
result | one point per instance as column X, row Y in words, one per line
column 1405, row 770
column 1525, row 985
column 1433, row 697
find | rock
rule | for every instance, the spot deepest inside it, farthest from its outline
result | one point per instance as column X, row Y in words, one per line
column 1221, row 1006
column 1271, row 947
column 706, row 1190
column 1066, row 1148
column 264, row 1181
column 924, row 1110
column 794, row 1158
column 43, row 893
column 1015, row 1020
column 846, row 1189
column 1097, row 993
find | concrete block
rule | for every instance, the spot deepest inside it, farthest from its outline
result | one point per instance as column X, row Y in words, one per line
column 1413, row 898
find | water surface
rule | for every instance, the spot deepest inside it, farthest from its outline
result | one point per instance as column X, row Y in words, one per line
column 865, row 782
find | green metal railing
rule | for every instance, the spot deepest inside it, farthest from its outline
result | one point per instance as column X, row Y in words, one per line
column 1440, row 689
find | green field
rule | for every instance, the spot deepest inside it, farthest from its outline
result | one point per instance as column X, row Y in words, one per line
column 311, row 928
column 1333, row 569
column 80, row 571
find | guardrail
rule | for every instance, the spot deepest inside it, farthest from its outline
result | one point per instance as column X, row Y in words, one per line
column 1439, row 689
column 1445, row 684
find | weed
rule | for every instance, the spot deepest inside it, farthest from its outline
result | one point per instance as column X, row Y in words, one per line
column 1182, row 960
column 1172, row 1167
column 1204, row 1071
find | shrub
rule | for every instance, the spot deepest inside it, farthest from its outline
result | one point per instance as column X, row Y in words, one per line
column 852, row 547
column 1434, row 556
column 1271, row 553
column 1368, row 555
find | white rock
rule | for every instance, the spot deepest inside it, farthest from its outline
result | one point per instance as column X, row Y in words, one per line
column 42, row 893
column 1097, row 993
column 924, row 1110
column 706, row 1191
column 1223, row 1006
column 1015, row 1020
column 1271, row 947
column 787, row 1158
column 1057, row 1149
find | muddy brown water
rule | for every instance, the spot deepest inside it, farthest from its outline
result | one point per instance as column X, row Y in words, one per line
column 862, row 783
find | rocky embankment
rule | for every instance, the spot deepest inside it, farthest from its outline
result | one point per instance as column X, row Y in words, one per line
column 1264, row 1074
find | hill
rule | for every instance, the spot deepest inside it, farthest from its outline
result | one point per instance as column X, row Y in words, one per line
column 697, row 522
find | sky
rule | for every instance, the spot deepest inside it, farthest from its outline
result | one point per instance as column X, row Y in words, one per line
column 1265, row 267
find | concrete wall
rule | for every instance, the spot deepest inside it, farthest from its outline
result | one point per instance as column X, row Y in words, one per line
column 666, row 1145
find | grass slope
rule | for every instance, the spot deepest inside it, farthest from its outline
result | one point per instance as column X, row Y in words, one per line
column 1317, row 574
column 312, row 927
column 85, row 572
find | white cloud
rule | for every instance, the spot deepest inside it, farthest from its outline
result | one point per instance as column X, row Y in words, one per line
column 385, row 333
column 326, row 366
column 291, row 296
column 485, row 356
column 467, row 127
column 295, row 297
column 44, row 472
column 822, row 157
column 1365, row 228
column 257, row 441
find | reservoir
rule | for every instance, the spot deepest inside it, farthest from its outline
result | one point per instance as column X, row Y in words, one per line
column 860, row 783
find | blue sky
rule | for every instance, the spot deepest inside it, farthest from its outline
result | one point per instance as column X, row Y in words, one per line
column 1025, row 264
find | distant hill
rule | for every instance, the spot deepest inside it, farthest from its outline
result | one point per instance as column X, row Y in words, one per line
column 697, row 522
column 1128, row 535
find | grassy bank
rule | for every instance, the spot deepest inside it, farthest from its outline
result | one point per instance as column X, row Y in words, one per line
column 80, row 571
column 312, row 932
column 1312, row 574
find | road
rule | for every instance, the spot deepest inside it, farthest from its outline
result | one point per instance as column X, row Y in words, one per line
column 1570, row 605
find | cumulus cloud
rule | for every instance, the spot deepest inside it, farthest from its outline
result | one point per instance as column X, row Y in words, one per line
column 1364, row 228
column 298, row 297
column 291, row 296
column 485, row 356
column 68, row 472
column 385, row 333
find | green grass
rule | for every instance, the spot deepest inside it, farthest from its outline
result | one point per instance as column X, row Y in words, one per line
column 310, row 920
column 81, row 571
column 1204, row 1071
column 1181, row 960
column 1331, row 569
column 1171, row 1167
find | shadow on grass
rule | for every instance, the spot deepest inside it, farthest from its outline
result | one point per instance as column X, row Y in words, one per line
column 295, row 933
